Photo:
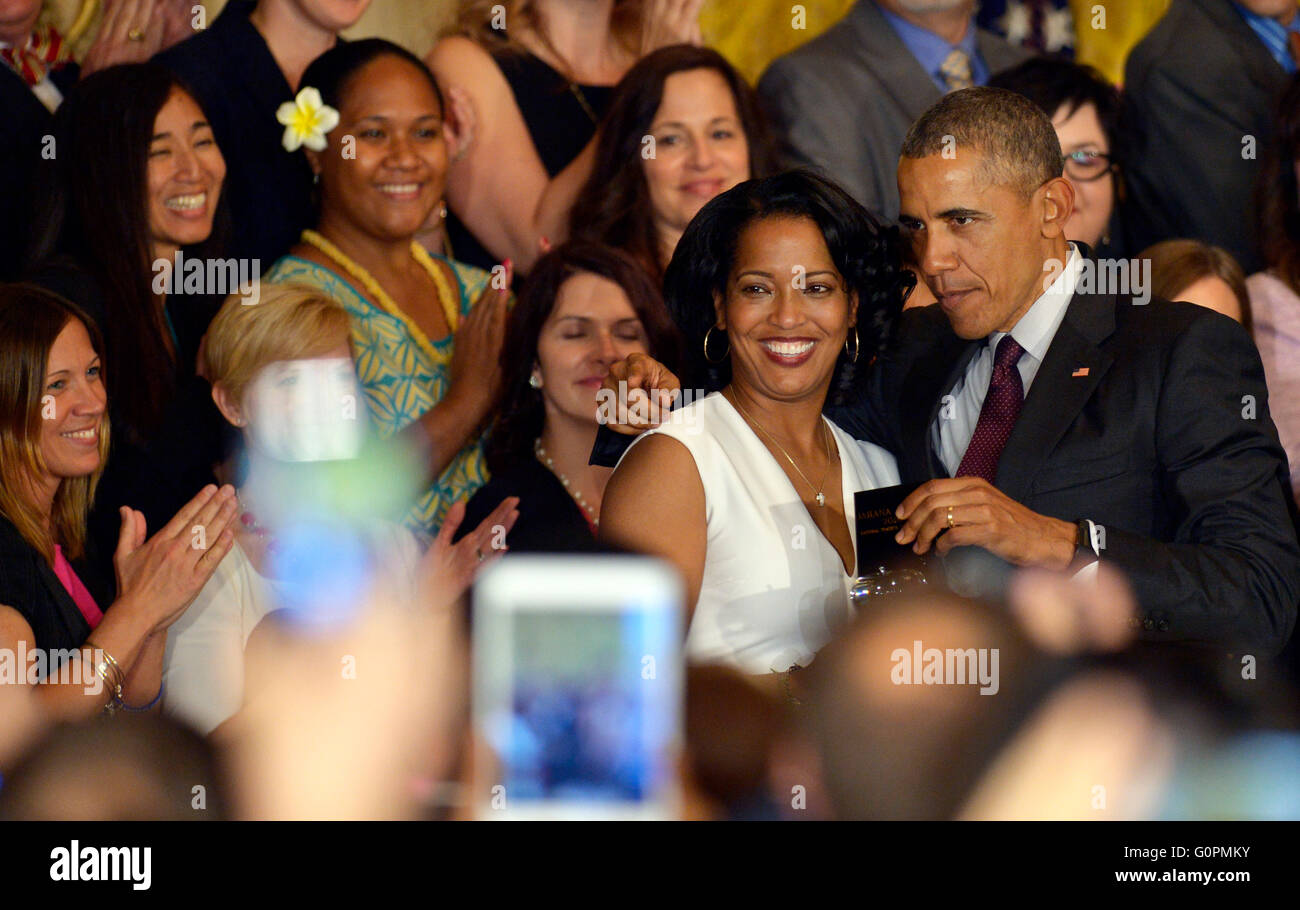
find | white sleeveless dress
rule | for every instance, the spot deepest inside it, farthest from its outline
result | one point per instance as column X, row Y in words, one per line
column 774, row 588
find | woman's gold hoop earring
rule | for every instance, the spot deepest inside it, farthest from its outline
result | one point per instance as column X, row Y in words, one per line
column 706, row 346
column 857, row 345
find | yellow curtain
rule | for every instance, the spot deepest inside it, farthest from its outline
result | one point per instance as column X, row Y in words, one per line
column 751, row 33
column 1106, row 30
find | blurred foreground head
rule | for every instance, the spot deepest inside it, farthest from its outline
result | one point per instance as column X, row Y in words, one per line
column 127, row 768
column 897, row 741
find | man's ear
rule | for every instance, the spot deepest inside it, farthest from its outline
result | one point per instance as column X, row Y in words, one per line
column 1057, row 205
column 228, row 406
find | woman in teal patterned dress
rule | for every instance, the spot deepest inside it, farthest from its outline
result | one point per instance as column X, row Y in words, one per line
column 426, row 330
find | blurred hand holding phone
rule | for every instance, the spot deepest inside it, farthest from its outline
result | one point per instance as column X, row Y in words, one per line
column 577, row 668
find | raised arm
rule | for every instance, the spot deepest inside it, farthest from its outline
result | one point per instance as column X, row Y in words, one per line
column 654, row 504
column 499, row 188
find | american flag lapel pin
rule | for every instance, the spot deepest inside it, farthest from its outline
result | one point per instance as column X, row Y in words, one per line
column 1081, row 371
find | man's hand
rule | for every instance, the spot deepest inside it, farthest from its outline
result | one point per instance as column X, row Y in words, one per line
column 130, row 31
column 983, row 516
column 643, row 393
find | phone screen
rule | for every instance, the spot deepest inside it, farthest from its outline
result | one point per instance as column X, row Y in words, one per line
column 581, row 701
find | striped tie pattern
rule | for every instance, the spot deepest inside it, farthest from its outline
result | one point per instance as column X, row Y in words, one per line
column 44, row 51
column 956, row 71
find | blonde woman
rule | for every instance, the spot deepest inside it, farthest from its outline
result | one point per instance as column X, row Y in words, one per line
column 54, row 440
column 282, row 373
column 538, row 75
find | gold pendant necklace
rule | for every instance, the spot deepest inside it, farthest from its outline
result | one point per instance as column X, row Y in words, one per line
column 830, row 459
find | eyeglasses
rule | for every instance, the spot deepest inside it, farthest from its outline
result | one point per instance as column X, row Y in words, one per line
column 1086, row 165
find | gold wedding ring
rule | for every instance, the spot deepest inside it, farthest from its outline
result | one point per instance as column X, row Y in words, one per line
column 135, row 34
column 950, row 524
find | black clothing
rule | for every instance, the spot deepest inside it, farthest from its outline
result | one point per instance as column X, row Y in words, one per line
column 557, row 122
column 549, row 519
column 24, row 124
column 239, row 86
column 28, row 584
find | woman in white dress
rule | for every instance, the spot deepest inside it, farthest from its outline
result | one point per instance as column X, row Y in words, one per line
column 784, row 284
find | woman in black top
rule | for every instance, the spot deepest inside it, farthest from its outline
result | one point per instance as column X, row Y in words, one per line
column 583, row 308
column 137, row 184
column 54, row 436
column 538, row 75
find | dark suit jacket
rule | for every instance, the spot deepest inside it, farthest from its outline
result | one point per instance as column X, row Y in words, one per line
column 1157, row 443
column 1198, row 85
column 24, row 124
column 845, row 101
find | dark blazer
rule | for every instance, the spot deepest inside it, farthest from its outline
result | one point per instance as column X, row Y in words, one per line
column 239, row 86
column 844, row 101
column 1158, row 443
column 28, row 584
column 1198, row 85
column 24, row 124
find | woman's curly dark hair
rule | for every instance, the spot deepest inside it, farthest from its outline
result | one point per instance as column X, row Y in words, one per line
column 867, row 253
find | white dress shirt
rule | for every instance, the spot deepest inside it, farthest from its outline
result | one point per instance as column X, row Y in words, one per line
column 960, row 411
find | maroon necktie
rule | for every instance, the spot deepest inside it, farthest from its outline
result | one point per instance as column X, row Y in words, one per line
column 997, row 415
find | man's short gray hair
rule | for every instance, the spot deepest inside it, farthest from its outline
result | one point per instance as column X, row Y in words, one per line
column 1015, row 137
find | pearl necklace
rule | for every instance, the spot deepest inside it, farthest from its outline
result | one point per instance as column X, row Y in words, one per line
column 573, row 491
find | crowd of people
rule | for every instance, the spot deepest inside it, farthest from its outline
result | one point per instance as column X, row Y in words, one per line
column 298, row 334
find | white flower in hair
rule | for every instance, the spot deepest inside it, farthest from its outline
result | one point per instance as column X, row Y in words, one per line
column 306, row 120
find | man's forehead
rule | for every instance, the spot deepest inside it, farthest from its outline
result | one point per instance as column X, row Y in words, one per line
column 938, row 183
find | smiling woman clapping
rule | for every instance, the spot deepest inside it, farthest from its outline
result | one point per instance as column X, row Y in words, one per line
column 53, row 443
column 426, row 329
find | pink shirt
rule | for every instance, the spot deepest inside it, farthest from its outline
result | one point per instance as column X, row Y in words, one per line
column 80, row 596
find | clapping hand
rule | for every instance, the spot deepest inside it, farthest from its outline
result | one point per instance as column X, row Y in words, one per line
column 448, row 569
column 163, row 575
column 129, row 32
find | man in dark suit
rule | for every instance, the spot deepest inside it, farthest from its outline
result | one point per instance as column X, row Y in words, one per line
column 844, row 100
column 1055, row 419
column 1055, row 422
column 1202, row 88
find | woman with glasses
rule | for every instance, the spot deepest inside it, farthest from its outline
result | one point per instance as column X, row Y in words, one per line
column 1085, row 109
